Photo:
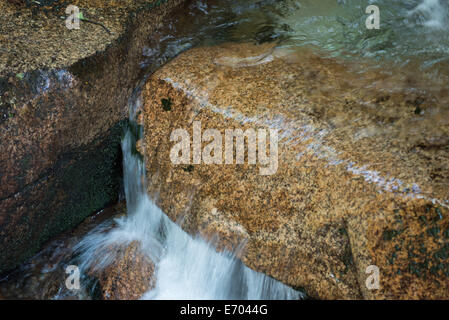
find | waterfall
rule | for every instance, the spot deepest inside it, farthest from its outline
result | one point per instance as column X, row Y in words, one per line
column 186, row 267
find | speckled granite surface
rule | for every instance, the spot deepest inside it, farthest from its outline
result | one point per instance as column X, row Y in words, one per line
column 129, row 276
column 363, row 169
column 35, row 36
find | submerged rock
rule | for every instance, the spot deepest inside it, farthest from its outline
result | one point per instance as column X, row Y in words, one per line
column 362, row 177
column 129, row 276
column 44, row 275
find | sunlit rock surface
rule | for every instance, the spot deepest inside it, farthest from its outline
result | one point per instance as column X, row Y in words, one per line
column 362, row 177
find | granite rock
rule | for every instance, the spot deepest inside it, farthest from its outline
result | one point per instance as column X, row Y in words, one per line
column 362, row 177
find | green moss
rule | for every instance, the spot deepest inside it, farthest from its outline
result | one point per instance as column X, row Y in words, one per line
column 423, row 219
column 418, row 110
column 347, row 259
column 166, row 104
column 82, row 183
column 189, row 168
column 154, row 4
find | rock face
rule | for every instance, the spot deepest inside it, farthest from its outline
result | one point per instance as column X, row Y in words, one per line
column 129, row 276
column 63, row 101
column 362, row 177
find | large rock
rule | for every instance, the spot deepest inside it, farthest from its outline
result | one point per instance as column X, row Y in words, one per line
column 63, row 100
column 129, row 276
column 362, row 178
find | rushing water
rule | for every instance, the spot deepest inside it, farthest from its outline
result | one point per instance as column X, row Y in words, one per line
column 413, row 35
column 186, row 267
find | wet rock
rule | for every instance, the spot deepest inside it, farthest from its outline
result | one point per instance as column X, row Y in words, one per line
column 43, row 276
column 63, row 105
column 16, row 2
column 362, row 179
column 35, row 35
column 129, row 276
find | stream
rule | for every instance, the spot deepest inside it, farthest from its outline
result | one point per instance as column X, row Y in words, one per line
column 414, row 36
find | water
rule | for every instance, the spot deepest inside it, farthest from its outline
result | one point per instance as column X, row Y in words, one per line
column 413, row 35
column 186, row 267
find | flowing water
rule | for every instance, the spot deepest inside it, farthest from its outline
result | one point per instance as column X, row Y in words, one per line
column 186, row 267
column 413, row 36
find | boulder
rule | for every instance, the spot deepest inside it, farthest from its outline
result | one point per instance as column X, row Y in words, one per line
column 362, row 177
column 63, row 105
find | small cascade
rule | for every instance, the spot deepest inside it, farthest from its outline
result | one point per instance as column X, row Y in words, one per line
column 186, row 267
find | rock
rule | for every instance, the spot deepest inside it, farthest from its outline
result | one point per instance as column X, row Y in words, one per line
column 362, row 179
column 129, row 276
column 43, row 276
column 17, row 2
column 62, row 114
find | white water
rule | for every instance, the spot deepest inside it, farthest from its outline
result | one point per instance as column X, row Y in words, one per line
column 186, row 267
column 432, row 14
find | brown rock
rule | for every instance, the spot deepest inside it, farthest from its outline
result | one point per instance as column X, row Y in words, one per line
column 129, row 276
column 362, row 177
column 17, row 2
column 62, row 113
